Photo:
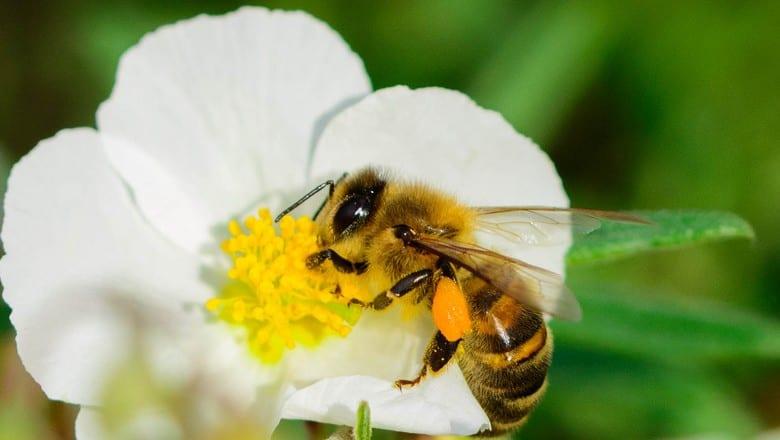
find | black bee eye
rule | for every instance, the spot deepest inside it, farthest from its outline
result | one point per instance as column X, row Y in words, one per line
column 352, row 212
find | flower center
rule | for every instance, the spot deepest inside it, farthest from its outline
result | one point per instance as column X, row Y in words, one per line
column 273, row 296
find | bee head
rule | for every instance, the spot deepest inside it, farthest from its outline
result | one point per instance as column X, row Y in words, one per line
column 353, row 203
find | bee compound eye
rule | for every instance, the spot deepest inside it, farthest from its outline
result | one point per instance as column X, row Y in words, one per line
column 353, row 211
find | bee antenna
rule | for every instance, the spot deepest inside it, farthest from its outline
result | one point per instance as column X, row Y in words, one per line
column 306, row 197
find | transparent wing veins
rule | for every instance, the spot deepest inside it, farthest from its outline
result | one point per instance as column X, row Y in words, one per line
column 538, row 225
column 533, row 286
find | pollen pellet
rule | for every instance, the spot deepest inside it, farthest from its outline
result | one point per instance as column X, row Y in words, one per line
column 450, row 311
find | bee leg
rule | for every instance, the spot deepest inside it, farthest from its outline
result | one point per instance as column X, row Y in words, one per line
column 443, row 268
column 399, row 289
column 380, row 302
column 446, row 269
column 340, row 263
column 437, row 355
column 403, row 383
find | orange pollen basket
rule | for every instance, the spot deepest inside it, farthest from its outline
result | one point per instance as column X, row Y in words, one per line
column 450, row 310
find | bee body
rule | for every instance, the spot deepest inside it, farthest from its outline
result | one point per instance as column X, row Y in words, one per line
column 488, row 308
column 505, row 358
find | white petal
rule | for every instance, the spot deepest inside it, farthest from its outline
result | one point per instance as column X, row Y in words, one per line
column 144, row 424
column 89, row 425
column 397, row 357
column 233, row 375
column 224, row 110
column 81, row 264
column 220, row 384
column 437, row 406
column 383, row 347
column 443, row 138
column 268, row 406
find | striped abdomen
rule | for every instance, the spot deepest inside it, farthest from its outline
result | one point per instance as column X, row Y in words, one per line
column 505, row 357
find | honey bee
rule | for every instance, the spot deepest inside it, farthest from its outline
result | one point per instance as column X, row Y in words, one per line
column 410, row 238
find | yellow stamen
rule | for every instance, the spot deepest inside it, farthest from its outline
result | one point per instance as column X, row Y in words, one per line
column 273, row 296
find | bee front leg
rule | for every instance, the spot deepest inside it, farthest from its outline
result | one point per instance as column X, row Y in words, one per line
column 340, row 263
column 437, row 355
column 399, row 289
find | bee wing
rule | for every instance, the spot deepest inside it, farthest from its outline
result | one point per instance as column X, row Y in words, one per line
column 539, row 225
column 532, row 286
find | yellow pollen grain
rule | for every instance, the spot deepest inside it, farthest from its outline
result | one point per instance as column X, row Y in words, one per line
column 273, row 296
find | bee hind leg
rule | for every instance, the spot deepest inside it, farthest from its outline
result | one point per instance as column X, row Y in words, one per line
column 404, row 383
column 438, row 354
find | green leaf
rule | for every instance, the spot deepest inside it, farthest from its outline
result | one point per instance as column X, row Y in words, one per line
column 5, row 318
column 5, row 169
column 668, row 330
column 600, row 395
column 363, row 422
column 545, row 64
column 671, row 229
column 17, row 421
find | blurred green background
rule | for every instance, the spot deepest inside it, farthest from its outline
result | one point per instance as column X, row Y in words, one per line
column 651, row 106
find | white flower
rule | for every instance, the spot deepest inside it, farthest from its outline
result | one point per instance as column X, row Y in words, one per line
column 209, row 119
